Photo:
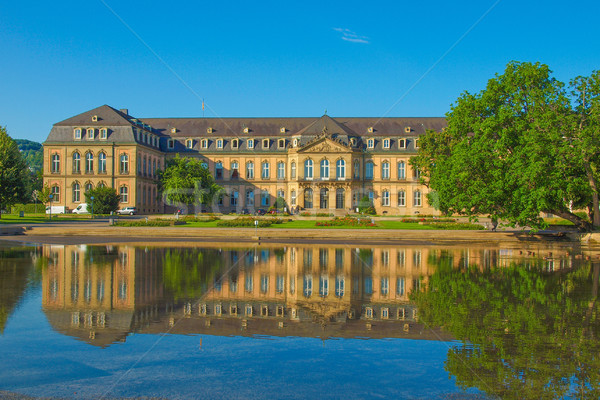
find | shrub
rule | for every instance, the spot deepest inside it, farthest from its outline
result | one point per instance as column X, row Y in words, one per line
column 245, row 222
column 27, row 208
column 347, row 221
column 456, row 226
column 150, row 223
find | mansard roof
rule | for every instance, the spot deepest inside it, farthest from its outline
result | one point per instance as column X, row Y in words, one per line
column 106, row 116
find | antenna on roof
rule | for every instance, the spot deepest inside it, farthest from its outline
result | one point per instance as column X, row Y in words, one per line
column 325, row 111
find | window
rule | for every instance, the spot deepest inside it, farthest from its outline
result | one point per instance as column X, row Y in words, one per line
column 234, row 198
column 402, row 143
column 280, row 170
column 250, row 170
column 385, row 170
column 77, row 133
column 369, row 170
column 356, row 169
column 90, row 133
column 124, row 163
column 386, row 143
column 189, row 143
column 264, row 198
column 204, row 165
column 308, row 169
column 385, row 286
column 171, row 144
column 101, row 184
column 339, row 198
column 88, row 186
column 307, row 285
column 340, row 284
column 368, row 285
column 250, row 143
column 55, row 164
column 293, row 170
column 153, row 167
column 324, row 198
column 295, row 142
column 103, row 133
column 265, row 143
column 281, row 193
column 235, row 170
column 340, row 169
column 281, row 143
column 371, row 143
column 401, row 170
column 417, row 198
column 324, row 169
column 55, row 194
column 293, row 198
column 250, row 197
column 204, row 144
column 385, row 198
column 76, row 163
column 400, row 286
column 76, row 192
column 416, row 143
column 265, row 170
column 89, row 163
column 124, row 192
column 308, row 198
column 219, row 170
column 102, row 163
column 324, row 285
column 219, row 143
column 401, row 198
column 280, row 284
column 416, row 173
column 235, row 143
column 264, row 285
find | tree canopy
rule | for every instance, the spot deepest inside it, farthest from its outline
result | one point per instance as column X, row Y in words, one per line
column 521, row 147
column 13, row 172
column 106, row 200
column 186, row 181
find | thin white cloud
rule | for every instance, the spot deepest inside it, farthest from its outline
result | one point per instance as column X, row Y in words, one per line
column 351, row 36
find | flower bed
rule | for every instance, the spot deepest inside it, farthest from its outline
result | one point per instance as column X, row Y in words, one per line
column 347, row 221
column 247, row 222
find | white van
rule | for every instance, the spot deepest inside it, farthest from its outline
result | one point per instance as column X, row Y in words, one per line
column 56, row 209
column 81, row 209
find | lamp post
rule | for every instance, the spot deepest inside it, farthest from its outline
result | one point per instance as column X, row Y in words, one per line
column 92, row 197
column 50, row 197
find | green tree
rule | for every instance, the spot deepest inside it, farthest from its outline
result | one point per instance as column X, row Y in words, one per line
column 279, row 204
column 13, row 172
column 508, row 152
column 185, row 181
column 106, row 200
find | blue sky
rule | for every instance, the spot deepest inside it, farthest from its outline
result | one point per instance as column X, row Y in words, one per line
column 269, row 59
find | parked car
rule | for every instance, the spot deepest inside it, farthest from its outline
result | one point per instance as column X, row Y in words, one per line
column 80, row 209
column 260, row 211
column 127, row 211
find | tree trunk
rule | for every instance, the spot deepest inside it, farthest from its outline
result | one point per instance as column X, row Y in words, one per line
column 581, row 224
column 595, row 202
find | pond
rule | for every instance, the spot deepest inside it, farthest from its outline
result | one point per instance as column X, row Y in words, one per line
column 299, row 321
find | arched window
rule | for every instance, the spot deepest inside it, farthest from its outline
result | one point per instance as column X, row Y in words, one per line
column 101, row 184
column 235, row 143
column 102, row 163
column 293, row 198
column 385, row 198
column 416, row 173
column 264, row 198
column 124, row 192
column 55, row 191
column 340, row 169
column 76, row 163
column 235, row 169
column 293, row 170
column 55, row 164
column 369, row 170
column 339, row 198
column 308, row 285
column 265, row 170
column 385, row 170
column 324, row 169
column 308, row 198
column 401, row 198
column 308, row 169
column 89, row 163
column 76, row 192
column 340, row 284
column 371, row 143
column 250, row 198
column 218, row 170
column 324, row 198
column 401, row 170
column 90, row 133
column 189, row 143
column 324, row 285
column 417, row 198
column 250, row 170
column 88, row 186
column 124, row 163
column 280, row 170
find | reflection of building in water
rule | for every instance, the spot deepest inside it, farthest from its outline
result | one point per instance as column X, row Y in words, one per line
column 99, row 294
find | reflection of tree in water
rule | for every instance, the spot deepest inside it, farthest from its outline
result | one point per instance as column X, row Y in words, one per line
column 526, row 333
column 16, row 272
column 190, row 272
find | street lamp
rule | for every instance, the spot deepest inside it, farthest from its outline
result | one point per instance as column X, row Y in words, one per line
column 92, row 197
column 50, row 197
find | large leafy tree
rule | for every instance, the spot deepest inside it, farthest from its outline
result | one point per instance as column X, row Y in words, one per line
column 106, row 200
column 185, row 181
column 510, row 152
column 13, row 172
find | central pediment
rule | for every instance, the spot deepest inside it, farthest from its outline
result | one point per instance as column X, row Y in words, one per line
column 324, row 144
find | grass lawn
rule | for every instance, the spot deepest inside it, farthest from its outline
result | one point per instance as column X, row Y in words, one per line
column 310, row 224
column 39, row 218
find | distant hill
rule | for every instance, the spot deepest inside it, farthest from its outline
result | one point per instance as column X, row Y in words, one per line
column 32, row 152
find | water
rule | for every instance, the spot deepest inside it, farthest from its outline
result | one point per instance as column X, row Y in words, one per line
column 299, row 321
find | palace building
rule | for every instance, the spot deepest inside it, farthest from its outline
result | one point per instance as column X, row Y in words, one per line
column 315, row 164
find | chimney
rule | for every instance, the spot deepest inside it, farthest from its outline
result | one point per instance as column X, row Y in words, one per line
column 124, row 111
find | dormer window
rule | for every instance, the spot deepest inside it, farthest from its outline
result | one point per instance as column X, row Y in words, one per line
column 204, row 144
column 90, row 133
column 219, row 143
column 402, row 143
column 246, row 130
column 370, row 129
column 282, row 130
column 209, row 130
column 95, row 118
column 265, row 143
column 173, row 130
column 281, row 143
column 103, row 133
column 386, row 143
column 77, row 133
column 353, row 141
column 171, row 144
column 416, row 143
column 250, row 143
column 235, row 143
column 189, row 143
column 371, row 143
column 407, row 129
column 295, row 142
